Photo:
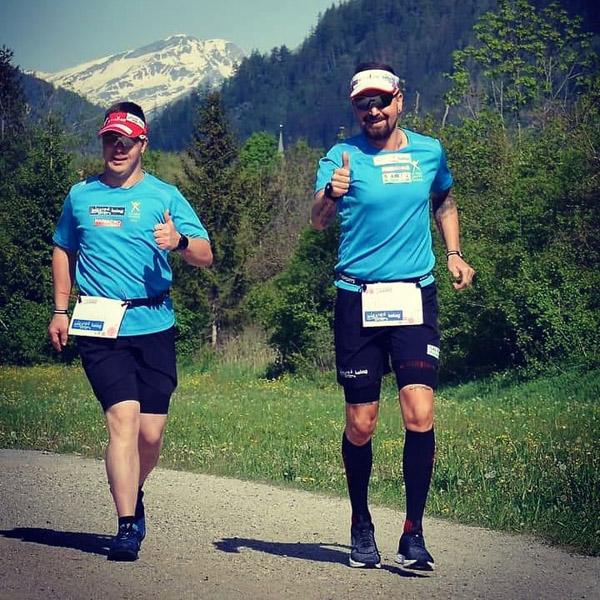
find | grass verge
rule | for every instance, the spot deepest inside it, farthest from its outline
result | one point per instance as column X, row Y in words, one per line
column 516, row 457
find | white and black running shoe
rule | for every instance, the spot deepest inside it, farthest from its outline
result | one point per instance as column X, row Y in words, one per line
column 364, row 551
column 412, row 553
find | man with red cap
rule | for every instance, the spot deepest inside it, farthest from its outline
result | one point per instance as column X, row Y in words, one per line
column 113, row 241
column 380, row 185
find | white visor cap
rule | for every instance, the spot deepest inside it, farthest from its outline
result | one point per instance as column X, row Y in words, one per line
column 376, row 80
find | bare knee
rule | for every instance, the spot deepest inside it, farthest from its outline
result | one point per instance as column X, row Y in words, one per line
column 416, row 402
column 123, row 422
column 150, row 439
column 361, row 421
column 151, row 430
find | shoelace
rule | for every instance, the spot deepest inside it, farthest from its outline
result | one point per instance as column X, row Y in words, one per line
column 365, row 536
column 417, row 540
column 126, row 532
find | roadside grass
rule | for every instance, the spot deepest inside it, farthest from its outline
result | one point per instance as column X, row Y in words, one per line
column 520, row 457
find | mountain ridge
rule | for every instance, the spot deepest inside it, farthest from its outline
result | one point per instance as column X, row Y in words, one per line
column 153, row 75
column 306, row 89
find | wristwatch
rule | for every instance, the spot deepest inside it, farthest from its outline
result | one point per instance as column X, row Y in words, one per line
column 329, row 192
column 183, row 242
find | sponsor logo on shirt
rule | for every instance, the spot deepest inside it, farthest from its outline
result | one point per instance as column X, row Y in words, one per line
column 391, row 159
column 107, row 211
column 135, row 210
column 108, row 223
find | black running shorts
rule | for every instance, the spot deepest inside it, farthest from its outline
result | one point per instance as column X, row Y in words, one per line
column 132, row 367
column 364, row 354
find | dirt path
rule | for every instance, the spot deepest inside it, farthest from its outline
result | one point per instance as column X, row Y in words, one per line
column 210, row 537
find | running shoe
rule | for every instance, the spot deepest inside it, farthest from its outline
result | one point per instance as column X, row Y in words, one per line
column 140, row 518
column 364, row 551
column 412, row 553
column 126, row 544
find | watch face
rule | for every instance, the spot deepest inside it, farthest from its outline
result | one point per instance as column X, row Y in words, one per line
column 183, row 242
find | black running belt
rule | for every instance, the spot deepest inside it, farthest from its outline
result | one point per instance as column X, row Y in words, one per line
column 361, row 282
column 153, row 301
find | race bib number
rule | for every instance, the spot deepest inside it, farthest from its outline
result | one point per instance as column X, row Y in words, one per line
column 97, row 317
column 391, row 304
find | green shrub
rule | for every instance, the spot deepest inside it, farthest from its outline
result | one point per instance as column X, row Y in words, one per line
column 296, row 307
column 24, row 334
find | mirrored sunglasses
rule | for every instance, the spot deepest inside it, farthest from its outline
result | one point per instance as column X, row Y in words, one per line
column 368, row 102
column 112, row 139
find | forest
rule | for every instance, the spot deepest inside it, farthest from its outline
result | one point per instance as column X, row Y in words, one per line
column 519, row 117
column 305, row 89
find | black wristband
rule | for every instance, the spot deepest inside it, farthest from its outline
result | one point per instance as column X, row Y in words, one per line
column 454, row 253
column 328, row 192
column 183, row 242
column 58, row 311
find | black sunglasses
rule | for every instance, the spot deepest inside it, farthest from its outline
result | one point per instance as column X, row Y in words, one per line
column 112, row 139
column 368, row 102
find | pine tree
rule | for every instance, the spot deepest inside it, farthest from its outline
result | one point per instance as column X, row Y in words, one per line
column 12, row 100
column 210, row 174
column 31, row 208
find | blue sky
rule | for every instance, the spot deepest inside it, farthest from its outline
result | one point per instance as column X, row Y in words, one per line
column 51, row 35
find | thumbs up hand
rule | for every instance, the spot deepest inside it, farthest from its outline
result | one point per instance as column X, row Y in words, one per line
column 340, row 180
column 165, row 234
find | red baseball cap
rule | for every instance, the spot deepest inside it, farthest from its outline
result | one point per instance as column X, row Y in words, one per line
column 125, row 124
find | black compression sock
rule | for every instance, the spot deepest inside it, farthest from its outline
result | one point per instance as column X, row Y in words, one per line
column 139, row 505
column 417, row 463
column 358, row 461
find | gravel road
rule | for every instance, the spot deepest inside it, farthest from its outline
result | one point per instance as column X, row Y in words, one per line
column 210, row 537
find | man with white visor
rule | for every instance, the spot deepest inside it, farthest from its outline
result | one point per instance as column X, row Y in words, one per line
column 380, row 185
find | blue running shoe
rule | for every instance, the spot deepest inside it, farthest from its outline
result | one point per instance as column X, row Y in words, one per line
column 364, row 551
column 412, row 553
column 126, row 544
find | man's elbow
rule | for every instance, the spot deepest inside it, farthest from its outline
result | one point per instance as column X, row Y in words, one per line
column 206, row 258
column 208, row 261
column 201, row 254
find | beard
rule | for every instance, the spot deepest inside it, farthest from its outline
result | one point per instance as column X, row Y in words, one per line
column 374, row 131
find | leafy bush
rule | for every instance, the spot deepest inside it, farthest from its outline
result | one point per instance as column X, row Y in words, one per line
column 190, row 327
column 23, row 333
column 296, row 307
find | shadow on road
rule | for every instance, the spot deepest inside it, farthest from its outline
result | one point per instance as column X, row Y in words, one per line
column 328, row 553
column 93, row 543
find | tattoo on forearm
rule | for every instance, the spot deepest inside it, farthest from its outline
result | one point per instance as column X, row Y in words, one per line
column 443, row 204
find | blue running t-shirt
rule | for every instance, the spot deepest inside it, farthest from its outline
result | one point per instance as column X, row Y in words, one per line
column 112, row 230
column 384, row 218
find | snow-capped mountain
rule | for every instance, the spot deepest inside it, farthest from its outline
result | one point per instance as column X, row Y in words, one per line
column 153, row 75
